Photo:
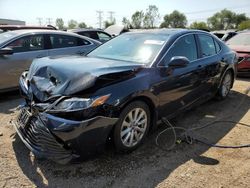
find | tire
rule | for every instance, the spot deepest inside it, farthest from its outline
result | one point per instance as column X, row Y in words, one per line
column 225, row 86
column 132, row 127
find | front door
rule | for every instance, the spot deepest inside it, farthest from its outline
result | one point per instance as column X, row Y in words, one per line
column 180, row 87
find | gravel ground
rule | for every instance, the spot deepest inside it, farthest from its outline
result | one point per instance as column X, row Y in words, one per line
column 187, row 165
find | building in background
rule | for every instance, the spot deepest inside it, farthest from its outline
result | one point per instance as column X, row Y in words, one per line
column 11, row 22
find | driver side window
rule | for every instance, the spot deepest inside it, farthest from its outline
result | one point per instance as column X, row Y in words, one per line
column 184, row 46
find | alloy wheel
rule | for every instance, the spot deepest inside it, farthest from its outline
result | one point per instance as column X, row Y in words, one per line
column 226, row 85
column 133, row 127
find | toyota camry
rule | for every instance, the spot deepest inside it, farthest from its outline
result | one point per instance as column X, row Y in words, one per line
column 119, row 91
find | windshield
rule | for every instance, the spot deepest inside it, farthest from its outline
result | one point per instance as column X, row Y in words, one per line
column 135, row 47
column 240, row 39
column 6, row 36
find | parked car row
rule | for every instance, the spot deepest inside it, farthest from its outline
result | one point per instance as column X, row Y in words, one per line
column 19, row 48
column 119, row 90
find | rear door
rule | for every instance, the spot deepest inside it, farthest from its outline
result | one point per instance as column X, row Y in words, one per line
column 68, row 45
column 25, row 50
column 211, row 65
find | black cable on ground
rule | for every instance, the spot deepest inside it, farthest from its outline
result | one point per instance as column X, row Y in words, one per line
column 190, row 136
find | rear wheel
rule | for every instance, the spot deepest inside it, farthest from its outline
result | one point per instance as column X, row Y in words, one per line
column 226, row 85
column 132, row 127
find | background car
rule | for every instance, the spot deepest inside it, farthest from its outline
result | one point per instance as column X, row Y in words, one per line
column 241, row 44
column 115, row 30
column 6, row 28
column 96, row 34
column 225, row 35
column 19, row 48
column 120, row 90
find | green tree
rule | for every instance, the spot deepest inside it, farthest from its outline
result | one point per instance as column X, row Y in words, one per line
column 244, row 25
column 82, row 25
column 137, row 19
column 109, row 23
column 174, row 20
column 60, row 23
column 226, row 19
column 125, row 21
column 72, row 24
column 198, row 25
column 239, row 19
column 151, row 17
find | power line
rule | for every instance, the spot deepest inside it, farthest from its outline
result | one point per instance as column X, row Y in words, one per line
column 111, row 19
column 99, row 12
column 49, row 21
column 39, row 21
column 212, row 10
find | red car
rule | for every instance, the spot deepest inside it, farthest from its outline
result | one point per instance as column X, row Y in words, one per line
column 241, row 44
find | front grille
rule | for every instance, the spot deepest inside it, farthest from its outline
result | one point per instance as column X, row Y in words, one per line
column 40, row 139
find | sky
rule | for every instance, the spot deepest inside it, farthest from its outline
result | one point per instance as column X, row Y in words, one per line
column 85, row 10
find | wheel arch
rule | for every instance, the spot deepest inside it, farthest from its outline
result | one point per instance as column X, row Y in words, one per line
column 152, row 107
column 233, row 75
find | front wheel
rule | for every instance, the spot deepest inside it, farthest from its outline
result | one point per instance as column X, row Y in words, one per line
column 225, row 86
column 132, row 127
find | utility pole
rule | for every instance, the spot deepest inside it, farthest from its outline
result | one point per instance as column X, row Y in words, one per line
column 99, row 12
column 39, row 21
column 49, row 21
column 111, row 18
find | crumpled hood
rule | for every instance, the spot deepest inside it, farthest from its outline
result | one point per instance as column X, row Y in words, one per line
column 70, row 74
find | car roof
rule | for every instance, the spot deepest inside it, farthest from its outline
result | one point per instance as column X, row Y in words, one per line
column 83, row 29
column 23, row 32
column 244, row 32
column 167, row 31
column 224, row 31
column 26, row 27
column 42, row 31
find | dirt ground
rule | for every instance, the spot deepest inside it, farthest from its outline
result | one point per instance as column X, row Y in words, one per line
column 187, row 165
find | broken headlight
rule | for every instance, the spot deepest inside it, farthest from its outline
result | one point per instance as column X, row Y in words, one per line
column 75, row 104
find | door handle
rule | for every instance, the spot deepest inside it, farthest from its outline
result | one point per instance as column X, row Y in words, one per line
column 40, row 56
column 199, row 66
column 80, row 52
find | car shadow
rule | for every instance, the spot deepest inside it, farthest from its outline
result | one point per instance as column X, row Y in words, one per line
column 9, row 101
column 149, row 165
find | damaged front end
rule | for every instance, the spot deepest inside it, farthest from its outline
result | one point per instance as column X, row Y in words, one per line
column 68, row 110
column 63, row 128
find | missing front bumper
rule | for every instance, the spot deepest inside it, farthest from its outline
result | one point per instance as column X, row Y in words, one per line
column 59, row 139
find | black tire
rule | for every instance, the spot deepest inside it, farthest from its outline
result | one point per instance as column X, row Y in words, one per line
column 222, row 92
column 132, row 107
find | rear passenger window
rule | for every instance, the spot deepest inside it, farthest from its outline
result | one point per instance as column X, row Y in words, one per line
column 82, row 42
column 207, row 45
column 218, row 48
column 64, row 41
column 185, row 46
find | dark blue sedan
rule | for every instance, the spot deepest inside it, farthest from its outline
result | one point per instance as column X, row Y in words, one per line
column 119, row 90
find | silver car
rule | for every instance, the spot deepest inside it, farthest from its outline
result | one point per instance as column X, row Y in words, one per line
column 18, row 49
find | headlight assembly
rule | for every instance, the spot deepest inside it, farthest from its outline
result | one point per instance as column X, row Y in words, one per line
column 75, row 104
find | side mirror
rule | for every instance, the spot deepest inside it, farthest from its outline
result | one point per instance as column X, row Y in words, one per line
column 6, row 51
column 178, row 62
